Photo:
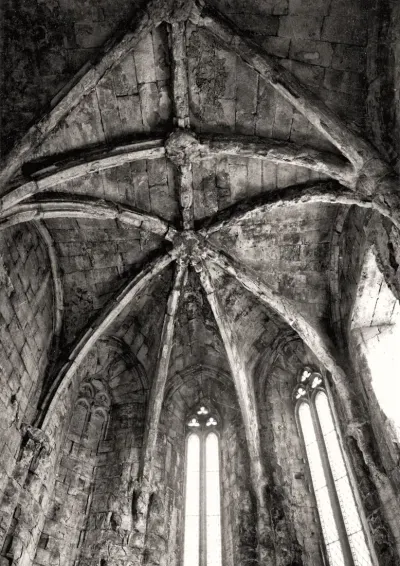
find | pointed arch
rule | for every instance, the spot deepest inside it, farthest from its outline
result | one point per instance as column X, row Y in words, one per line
column 96, row 330
column 244, row 389
column 286, row 308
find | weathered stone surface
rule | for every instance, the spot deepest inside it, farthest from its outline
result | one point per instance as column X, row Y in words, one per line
column 97, row 384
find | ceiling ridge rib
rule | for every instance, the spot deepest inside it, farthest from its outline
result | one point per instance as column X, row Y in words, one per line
column 178, row 154
column 356, row 149
column 374, row 177
column 96, row 330
column 180, row 81
column 87, row 207
column 244, row 390
column 157, row 398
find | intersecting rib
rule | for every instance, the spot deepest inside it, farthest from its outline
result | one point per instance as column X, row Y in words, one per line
column 244, row 389
column 354, row 147
column 96, row 330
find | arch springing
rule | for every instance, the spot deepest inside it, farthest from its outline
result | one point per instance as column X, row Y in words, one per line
column 344, row 534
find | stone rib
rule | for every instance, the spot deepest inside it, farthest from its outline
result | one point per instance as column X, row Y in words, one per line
column 323, row 192
column 58, row 300
column 279, row 152
column 96, row 330
column 157, row 397
column 289, row 312
column 244, row 389
column 61, row 169
column 85, row 81
column 354, row 147
column 96, row 209
column 180, row 84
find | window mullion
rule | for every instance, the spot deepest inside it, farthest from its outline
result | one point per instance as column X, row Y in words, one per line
column 344, row 542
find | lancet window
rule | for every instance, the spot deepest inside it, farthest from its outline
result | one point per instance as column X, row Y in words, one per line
column 202, row 535
column 342, row 526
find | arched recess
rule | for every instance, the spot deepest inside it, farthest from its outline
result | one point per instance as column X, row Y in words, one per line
column 291, row 499
column 90, row 511
column 292, row 505
column 186, row 390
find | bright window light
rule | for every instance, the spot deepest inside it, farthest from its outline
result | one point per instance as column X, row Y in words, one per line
column 342, row 529
column 192, row 502
column 202, row 536
column 213, row 501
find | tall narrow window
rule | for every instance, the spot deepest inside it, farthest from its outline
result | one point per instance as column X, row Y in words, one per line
column 202, row 537
column 344, row 536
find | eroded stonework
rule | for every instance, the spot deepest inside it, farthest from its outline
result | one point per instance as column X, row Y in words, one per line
column 190, row 222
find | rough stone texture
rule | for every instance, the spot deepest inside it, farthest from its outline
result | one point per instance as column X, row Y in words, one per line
column 293, row 506
column 130, row 99
column 47, row 44
column 215, row 388
column 26, row 333
column 94, row 261
column 314, row 40
column 72, row 485
column 291, row 257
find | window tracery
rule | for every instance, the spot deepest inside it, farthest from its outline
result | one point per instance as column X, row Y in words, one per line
column 90, row 415
column 202, row 534
column 344, row 535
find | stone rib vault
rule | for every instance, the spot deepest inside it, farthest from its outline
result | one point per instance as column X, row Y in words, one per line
column 187, row 166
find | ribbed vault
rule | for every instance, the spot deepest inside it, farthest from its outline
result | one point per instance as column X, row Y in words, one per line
column 158, row 194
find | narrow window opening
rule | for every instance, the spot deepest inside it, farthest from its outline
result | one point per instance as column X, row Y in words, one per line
column 192, row 502
column 342, row 528
column 202, row 536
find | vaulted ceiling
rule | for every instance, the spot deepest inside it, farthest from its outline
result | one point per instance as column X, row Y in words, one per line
column 189, row 176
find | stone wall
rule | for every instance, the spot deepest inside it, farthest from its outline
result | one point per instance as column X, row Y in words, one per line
column 316, row 41
column 47, row 43
column 362, row 233
column 239, row 514
column 66, row 516
column 26, row 330
column 297, row 534
column 90, row 514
